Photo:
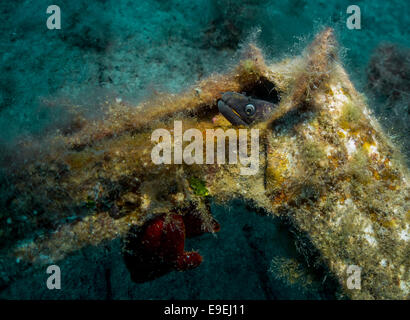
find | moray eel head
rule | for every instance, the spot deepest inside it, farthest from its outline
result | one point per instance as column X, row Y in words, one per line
column 240, row 109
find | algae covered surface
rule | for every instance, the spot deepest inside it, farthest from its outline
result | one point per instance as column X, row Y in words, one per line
column 331, row 189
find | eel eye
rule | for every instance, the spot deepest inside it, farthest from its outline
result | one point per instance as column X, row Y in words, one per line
column 250, row 110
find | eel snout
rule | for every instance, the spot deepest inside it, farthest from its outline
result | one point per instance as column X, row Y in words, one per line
column 224, row 107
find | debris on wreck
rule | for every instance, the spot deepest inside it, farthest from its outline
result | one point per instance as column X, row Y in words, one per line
column 326, row 165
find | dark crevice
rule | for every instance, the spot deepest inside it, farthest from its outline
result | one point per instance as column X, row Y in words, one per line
column 263, row 89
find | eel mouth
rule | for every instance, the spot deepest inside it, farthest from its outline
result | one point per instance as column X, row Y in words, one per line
column 230, row 114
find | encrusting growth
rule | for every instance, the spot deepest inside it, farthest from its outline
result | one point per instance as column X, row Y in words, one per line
column 326, row 166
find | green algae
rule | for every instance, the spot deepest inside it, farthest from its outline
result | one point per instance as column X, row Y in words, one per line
column 198, row 186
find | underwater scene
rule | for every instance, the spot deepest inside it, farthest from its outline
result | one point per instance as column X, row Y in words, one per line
column 208, row 149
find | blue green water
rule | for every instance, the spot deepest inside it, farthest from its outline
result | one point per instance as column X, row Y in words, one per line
column 131, row 50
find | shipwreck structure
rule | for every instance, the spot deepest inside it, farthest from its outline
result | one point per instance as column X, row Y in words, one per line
column 326, row 166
